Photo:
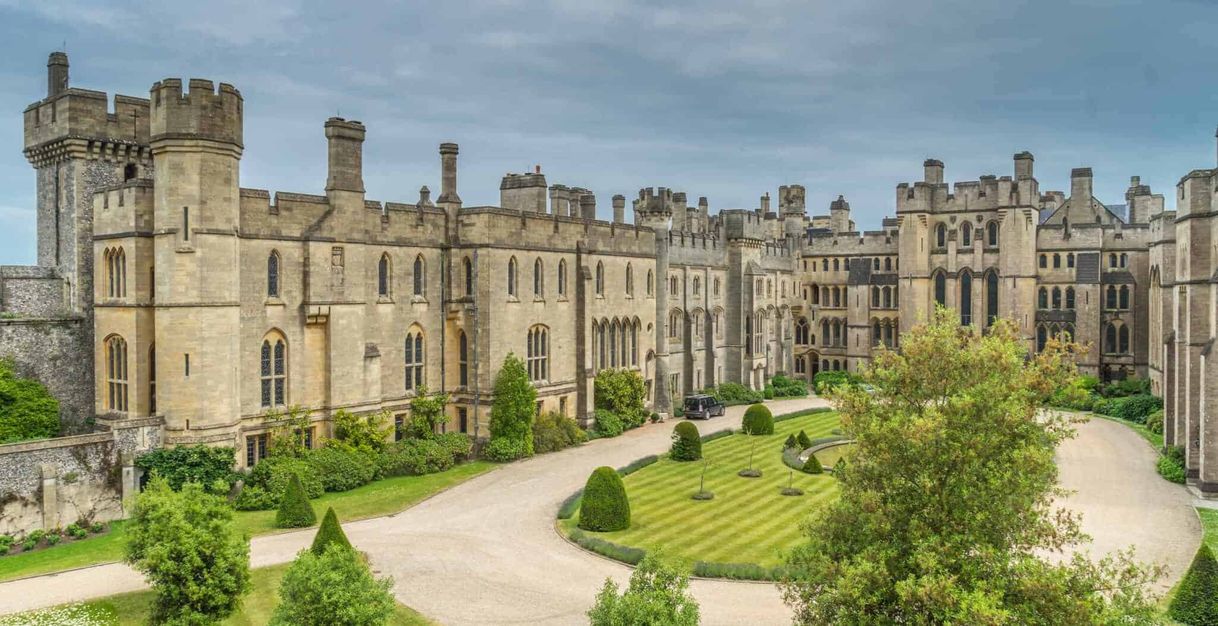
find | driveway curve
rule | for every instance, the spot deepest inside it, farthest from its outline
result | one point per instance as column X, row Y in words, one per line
column 485, row 551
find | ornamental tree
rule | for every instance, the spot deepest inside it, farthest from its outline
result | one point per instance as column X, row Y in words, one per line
column 945, row 510
column 658, row 593
column 512, row 412
column 332, row 589
column 186, row 546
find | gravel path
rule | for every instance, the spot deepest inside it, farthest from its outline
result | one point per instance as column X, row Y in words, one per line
column 485, row 551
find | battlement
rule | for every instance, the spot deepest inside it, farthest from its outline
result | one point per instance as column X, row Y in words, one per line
column 124, row 208
column 870, row 242
column 201, row 113
column 654, row 200
column 86, row 114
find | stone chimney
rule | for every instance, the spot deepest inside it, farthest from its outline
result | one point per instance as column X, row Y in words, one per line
column 345, row 149
column 57, row 74
column 619, row 209
column 448, row 175
column 559, row 203
column 839, row 215
column 932, row 171
column 523, row 192
column 1080, row 185
column 587, row 204
column 1023, row 165
column 425, row 197
column 680, row 212
column 765, row 204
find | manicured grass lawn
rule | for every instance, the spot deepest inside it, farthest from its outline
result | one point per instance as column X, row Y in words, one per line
column 131, row 609
column 748, row 521
column 379, row 498
column 1209, row 527
column 829, row 456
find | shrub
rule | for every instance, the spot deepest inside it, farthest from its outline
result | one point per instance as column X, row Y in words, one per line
column 343, row 468
column 803, row 440
column 271, row 475
column 791, row 442
column 97, row 527
column 737, row 571
column 458, row 445
column 812, row 465
column 735, row 393
column 426, row 414
column 255, row 498
column 758, row 420
column 1074, row 397
column 1196, row 600
column 28, row 544
column 1127, row 387
column 334, row 587
column 604, row 506
column 329, row 533
column 658, row 593
column 185, row 545
column 554, row 431
column 1154, row 422
column 194, row 464
column 1171, row 465
column 511, row 423
column 74, row 531
column 784, row 387
column 6, row 544
column 294, row 508
column 369, row 431
column 686, row 443
column 1137, row 408
column 27, row 409
column 53, row 538
column 824, row 382
column 415, row 457
column 621, row 392
column 637, row 465
column 617, row 552
column 607, row 423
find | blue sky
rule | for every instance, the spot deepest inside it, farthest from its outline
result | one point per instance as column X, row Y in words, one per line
column 724, row 98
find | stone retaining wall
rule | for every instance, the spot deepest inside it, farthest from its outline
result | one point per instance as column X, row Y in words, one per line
column 56, row 352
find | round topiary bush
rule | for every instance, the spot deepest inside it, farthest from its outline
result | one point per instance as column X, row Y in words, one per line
column 686, row 443
column 605, row 506
column 758, row 420
column 294, row 508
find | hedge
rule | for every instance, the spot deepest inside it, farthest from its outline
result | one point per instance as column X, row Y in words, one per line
column 617, row 552
column 637, row 465
column 608, row 424
column 415, row 457
column 731, row 394
column 686, row 443
column 554, row 431
column 1171, row 465
column 790, row 416
column 605, row 506
column 294, row 508
column 27, row 410
column 718, row 434
column 341, row 468
column 758, row 420
column 1132, row 408
column 738, row 571
column 201, row 464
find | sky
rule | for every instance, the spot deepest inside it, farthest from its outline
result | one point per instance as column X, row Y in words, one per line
column 722, row 98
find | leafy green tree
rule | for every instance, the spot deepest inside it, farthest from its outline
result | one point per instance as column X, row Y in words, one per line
column 658, row 593
column 329, row 533
column 334, row 588
column 370, row 431
column 294, row 508
column 427, row 413
column 206, row 465
column 1196, row 600
column 512, row 412
column 27, row 409
column 945, row 506
column 621, row 392
column 288, row 432
column 185, row 545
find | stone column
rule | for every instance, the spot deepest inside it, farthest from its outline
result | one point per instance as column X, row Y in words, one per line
column 131, row 483
column 663, row 398
column 50, row 497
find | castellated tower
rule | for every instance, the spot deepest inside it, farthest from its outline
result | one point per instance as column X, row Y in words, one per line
column 654, row 210
column 196, row 139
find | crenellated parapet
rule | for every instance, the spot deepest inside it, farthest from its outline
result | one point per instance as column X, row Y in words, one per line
column 202, row 112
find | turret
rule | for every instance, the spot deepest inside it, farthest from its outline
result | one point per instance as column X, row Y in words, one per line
column 839, row 215
column 1023, row 165
column 680, row 212
column 57, row 74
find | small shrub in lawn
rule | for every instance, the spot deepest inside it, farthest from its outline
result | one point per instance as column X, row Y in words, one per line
column 686, row 443
column 554, row 431
column 36, row 535
column 6, row 544
column 637, row 465
column 812, row 465
column 75, row 531
column 28, row 544
column 294, row 508
column 604, row 506
column 330, row 532
column 736, row 571
column 803, row 440
column 570, row 505
column 792, row 491
column 751, row 472
column 1196, row 600
column 703, row 495
column 608, row 424
column 1171, row 465
column 790, row 442
column 97, row 527
column 53, row 538
column 758, row 420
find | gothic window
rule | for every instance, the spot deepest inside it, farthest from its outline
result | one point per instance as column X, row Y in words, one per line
column 1123, row 339
column 462, row 359
column 414, row 359
column 991, row 234
column 824, row 265
column 815, row 293
column 562, row 277
column 887, row 297
column 876, row 265
column 966, row 299
column 469, row 278
column 650, row 283
column 758, row 334
column 1044, row 261
column 966, row 235
column 272, row 275
column 538, row 353
column 1110, row 297
column 1057, row 260
column 941, row 289
column 801, row 331
column 719, row 324
column 674, row 324
column 613, row 337
column 539, row 278
column 1124, row 297
column 600, row 278
column 116, row 374
column 1057, row 297
column 673, row 286
column 1070, row 298
column 382, row 276
column 152, row 379
column 991, row 297
column 1112, row 260
column 511, row 276
column 418, row 275
column 1124, row 259
column 940, row 236
column 629, row 280
column 1070, row 260
column 875, row 297
column 836, row 265
column 716, row 292
column 1042, row 338
column 1110, row 339
column 273, row 371
column 116, row 272
column 837, row 297
column 634, row 344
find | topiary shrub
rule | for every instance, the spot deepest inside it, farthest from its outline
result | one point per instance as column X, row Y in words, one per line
column 329, row 533
column 604, row 506
column 803, row 440
column 294, row 508
column 554, row 431
column 791, row 442
column 812, row 465
column 1196, row 600
column 341, row 468
column 607, row 423
column 758, row 420
column 686, row 443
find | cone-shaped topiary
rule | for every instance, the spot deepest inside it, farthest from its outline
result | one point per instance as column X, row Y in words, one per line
column 604, row 506
column 686, row 443
column 330, row 532
column 803, row 440
column 789, row 443
column 294, row 508
column 758, row 420
column 813, row 466
column 1196, row 600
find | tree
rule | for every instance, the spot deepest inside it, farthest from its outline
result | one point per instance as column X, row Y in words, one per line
column 945, row 506
column 604, row 506
column 369, row 432
column 334, row 588
column 621, row 392
column 330, row 533
column 27, row 409
column 185, row 545
column 1196, row 600
column 658, row 593
column 427, row 413
column 294, row 508
column 512, row 412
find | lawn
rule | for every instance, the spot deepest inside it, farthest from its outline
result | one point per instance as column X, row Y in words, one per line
column 1209, row 527
column 372, row 500
column 748, row 521
column 132, row 608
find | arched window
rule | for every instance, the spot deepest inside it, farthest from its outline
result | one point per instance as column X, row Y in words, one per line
column 562, row 277
column 887, row 297
column 1042, row 298
column 462, row 359
column 716, row 292
column 836, row 265
column 382, row 276
column 539, row 278
column 877, row 264
column 966, row 299
column 941, row 289
column 272, row 275
column 413, row 360
column 1057, row 297
column 1124, row 297
column 116, row 272
column 718, row 323
column 837, row 297
column 634, row 343
column 1057, row 260
column 1042, row 338
column 815, row 293
column 1124, row 259
column 875, row 297
column 469, row 277
column 1110, row 297
column 697, row 285
column 511, row 276
column 991, row 234
column 1070, row 298
column 650, row 283
column 538, row 353
column 1112, row 260
column 1070, row 260
column 1110, row 339
column 629, row 280
column 614, row 328
column 674, row 324
column 1123, row 339
column 600, row 278
column 116, row 373
column 801, row 331
column 419, row 275
column 1044, row 261
column 824, row 265
column 940, row 236
column 966, row 235
column 273, row 371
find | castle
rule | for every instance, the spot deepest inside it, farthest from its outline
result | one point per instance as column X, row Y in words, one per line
column 209, row 306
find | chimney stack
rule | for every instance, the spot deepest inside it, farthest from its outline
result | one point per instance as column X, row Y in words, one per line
column 345, row 149
column 619, row 209
column 1023, row 165
column 448, row 175
column 932, row 171
column 1080, row 185
column 57, row 74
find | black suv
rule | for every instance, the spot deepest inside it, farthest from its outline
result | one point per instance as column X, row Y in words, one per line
column 702, row 406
